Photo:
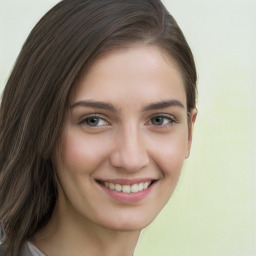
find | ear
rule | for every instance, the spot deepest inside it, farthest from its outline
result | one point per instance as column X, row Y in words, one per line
column 192, row 119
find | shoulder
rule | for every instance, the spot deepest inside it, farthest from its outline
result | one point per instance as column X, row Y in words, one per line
column 25, row 251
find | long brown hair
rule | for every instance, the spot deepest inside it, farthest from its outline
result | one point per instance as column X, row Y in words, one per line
column 63, row 45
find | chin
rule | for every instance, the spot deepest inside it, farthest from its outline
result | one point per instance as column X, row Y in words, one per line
column 127, row 223
column 126, row 227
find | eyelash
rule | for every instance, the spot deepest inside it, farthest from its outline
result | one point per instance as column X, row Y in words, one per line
column 85, row 119
column 170, row 120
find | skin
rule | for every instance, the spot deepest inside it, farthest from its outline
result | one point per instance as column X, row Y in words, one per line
column 140, row 132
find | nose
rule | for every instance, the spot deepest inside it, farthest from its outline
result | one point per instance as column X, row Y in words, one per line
column 129, row 152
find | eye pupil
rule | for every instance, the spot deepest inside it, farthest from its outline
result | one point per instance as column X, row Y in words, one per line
column 157, row 120
column 92, row 121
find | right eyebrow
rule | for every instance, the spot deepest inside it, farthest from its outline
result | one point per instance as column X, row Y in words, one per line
column 164, row 104
column 94, row 104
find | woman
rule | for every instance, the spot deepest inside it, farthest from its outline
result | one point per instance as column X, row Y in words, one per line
column 96, row 120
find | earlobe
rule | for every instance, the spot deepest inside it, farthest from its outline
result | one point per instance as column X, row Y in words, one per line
column 192, row 119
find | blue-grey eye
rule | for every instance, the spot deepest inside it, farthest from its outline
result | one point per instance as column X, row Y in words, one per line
column 161, row 120
column 95, row 121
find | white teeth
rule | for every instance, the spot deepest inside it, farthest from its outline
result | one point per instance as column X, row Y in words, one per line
column 128, row 188
column 118, row 187
column 134, row 188
column 111, row 186
column 145, row 185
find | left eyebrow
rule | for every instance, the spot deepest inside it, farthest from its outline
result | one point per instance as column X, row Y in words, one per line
column 164, row 104
column 94, row 104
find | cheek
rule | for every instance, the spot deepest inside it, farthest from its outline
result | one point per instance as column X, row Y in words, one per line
column 170, row 153
column 83, row 153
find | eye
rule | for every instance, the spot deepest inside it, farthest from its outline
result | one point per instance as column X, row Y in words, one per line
column 161, row 120
column 94, row 121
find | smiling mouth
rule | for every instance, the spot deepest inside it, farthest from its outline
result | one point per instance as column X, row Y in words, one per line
column 133, row 188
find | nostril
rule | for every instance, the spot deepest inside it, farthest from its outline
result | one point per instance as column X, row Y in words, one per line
column 129, row 161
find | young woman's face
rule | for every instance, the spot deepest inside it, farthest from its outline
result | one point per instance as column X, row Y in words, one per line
column 125, row 139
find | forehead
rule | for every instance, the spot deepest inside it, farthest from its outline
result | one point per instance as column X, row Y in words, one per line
column 143, row 73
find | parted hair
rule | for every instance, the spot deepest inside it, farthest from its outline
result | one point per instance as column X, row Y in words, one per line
column 60, row 48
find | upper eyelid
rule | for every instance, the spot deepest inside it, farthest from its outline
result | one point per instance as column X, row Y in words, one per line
column 106, row 118
column 172, row 120
column 100, row 116
column 163, row 115
column 94, row 115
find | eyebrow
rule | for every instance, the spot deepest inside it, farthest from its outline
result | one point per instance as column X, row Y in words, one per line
column 94, row 104
column 164, row 104
column 110, row 107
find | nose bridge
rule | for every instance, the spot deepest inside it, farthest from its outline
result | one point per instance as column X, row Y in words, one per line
column 130, row 152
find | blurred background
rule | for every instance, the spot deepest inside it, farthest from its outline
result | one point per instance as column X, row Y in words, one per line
column 213, row 210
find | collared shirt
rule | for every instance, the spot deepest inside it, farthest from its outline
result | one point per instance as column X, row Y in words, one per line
column 31, row 250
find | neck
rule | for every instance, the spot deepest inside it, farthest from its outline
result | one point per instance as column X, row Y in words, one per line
column 71, row 234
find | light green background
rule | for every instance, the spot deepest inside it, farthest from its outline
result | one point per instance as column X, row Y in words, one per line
column 213, row 211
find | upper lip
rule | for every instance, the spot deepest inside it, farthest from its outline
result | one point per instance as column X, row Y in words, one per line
column 127, row 181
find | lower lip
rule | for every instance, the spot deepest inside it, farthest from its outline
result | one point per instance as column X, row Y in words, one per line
column 128, row 197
